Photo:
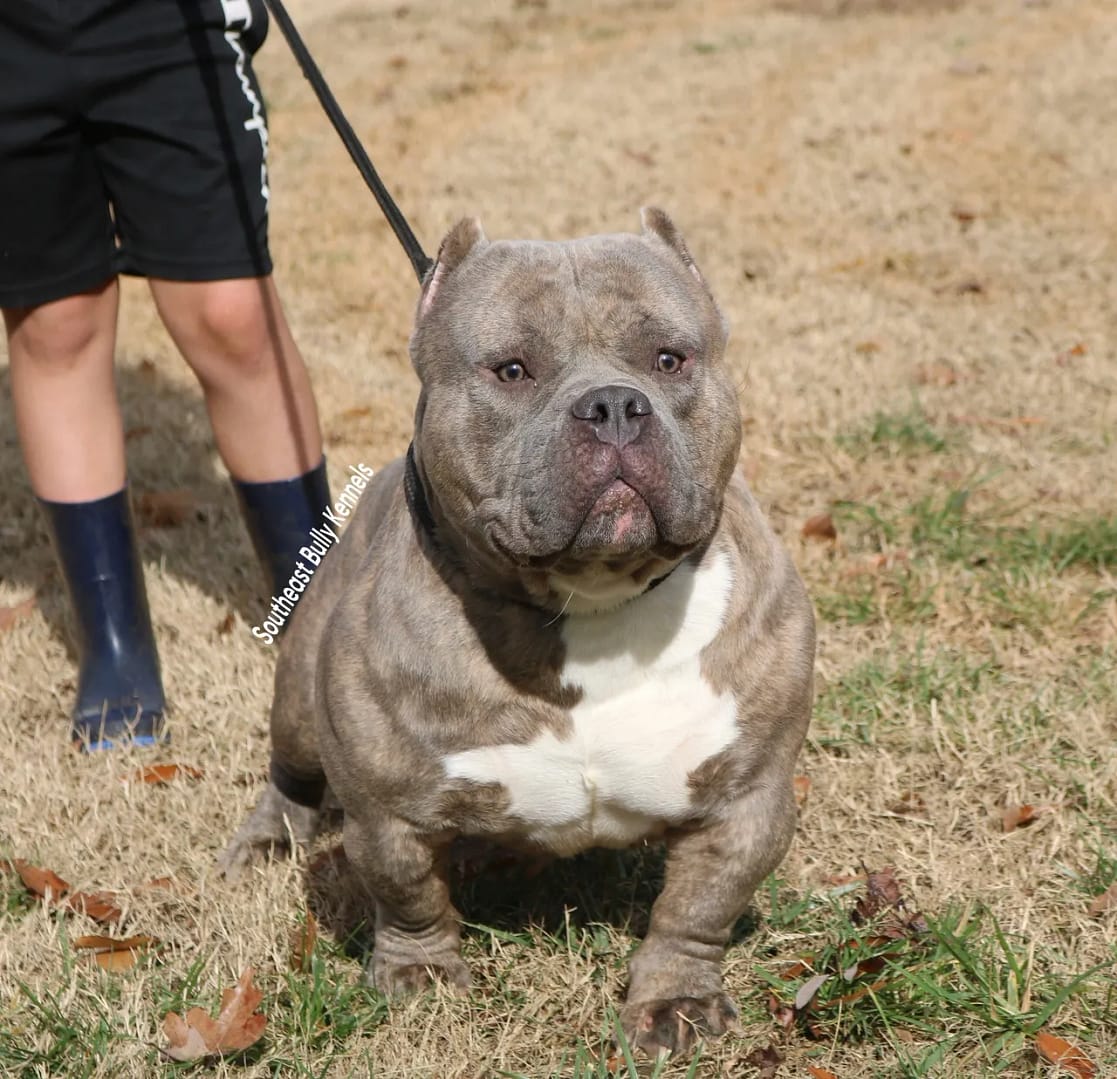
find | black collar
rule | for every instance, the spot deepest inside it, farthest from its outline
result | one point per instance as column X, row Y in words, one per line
column 416, row 496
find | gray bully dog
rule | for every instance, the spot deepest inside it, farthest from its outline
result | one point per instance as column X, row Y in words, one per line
column 560, row 622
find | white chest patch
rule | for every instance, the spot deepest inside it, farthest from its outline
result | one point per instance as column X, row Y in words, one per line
column 647, row 718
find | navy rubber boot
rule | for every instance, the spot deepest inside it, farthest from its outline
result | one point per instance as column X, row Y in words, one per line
column 120, row 691
column 279, row 516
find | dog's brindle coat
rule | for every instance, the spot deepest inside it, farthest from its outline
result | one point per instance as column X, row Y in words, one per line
column 560, row 622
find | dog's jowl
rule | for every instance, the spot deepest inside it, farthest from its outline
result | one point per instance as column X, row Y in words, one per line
column 559, row 622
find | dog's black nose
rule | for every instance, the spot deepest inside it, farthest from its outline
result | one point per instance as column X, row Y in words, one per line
column 616, row 412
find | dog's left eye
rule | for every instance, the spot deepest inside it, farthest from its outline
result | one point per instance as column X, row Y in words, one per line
column 669, row 363
column 512, row 371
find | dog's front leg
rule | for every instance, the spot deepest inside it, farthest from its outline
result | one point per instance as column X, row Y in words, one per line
column 675, row 994
column 417, row 933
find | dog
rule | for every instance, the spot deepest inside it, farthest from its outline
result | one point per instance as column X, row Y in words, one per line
column 559, row 622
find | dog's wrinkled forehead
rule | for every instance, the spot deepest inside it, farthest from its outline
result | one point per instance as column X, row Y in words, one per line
column 485, row 298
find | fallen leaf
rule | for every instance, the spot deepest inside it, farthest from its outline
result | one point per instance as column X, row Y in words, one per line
column 48, row 886
column 237, row 1027
column 802, row 786
column 765, row 1060
column 225, row 626
column 1062, row 359
column 113, row 961
column 939, row 373
column 820, row 1073
column 1105, row 902
column 911, row 804
column 100, row 906
column 866, row 348
column 99, row 942
column 820, row 527
column 1021, row 816
column 839, row 879
column 41, row 883
column 873, row 964
column 303, row 940
column 882, row 891
column 808, row 991
column 782, row 1013
column 10, row 616
column 163, row 773
column 164, row 509
column 110, row 953
column 1069, row 1057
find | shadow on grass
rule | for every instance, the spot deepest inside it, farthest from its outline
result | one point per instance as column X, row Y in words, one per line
column 516, row 896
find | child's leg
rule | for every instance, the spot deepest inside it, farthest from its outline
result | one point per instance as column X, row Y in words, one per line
column 61, row 356
column 235, row 337
column 64, row 394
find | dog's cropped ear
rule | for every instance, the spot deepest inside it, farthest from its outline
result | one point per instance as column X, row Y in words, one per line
column 657, row 223
column 466, row 235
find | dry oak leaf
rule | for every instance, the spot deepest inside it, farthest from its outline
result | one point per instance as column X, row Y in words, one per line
column 164, row 509
column 802, row 789
column 48, row 886
column 41, row 883
column 1020, row 816
column 163, row 773
column 1105, row 902
column 100, row 906
column 819, row 527
column 820, row 1073
column 10, row 616
column 237, row 1027
column 766, row 1060
column 939, row 373
column 112, row 953
column 303, row 940
column 1069, row 1057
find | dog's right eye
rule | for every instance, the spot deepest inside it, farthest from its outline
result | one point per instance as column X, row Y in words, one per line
column 512, row 371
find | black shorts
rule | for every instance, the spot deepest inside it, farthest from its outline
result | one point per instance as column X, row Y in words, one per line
column 133, row 139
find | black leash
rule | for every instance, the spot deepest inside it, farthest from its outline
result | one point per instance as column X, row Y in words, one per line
column 419, row 259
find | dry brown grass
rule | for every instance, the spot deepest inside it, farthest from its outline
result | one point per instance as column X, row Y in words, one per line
column 910, row 219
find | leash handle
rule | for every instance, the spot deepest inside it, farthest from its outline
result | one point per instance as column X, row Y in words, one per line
column 414, row 250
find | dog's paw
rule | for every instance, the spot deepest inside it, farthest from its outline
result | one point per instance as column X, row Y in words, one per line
column 273, row 826
column 661, row 1027
column 406, row 979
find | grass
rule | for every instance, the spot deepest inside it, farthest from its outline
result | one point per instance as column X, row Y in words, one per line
column 905, row 432
column 968, row 609
column 962, row 989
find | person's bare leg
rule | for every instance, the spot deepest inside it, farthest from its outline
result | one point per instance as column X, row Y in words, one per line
column 234, row 336
column 64, row 394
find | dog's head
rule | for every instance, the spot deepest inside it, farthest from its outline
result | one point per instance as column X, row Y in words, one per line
column 576, row 425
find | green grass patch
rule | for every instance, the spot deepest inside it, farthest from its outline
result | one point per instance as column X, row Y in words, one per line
column 963, row 996
column 907, row 432
column 1000, row 568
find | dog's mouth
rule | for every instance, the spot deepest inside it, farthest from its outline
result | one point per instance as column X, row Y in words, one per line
column 619, row 522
